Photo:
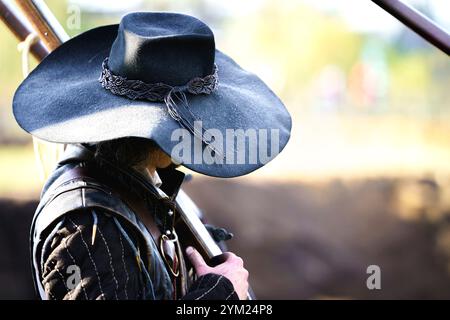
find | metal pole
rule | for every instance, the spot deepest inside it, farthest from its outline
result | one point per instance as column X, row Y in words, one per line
column 418, row 23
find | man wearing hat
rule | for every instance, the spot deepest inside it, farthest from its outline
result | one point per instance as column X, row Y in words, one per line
column 132, row 101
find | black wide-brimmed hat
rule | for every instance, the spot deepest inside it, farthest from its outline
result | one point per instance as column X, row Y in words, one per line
column 150, row 75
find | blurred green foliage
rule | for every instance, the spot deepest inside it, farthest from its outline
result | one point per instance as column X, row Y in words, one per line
column 290, row 45
column 383, row 102
column 300, row 41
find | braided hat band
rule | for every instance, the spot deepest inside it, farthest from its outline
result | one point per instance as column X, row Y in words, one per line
column 174, row 97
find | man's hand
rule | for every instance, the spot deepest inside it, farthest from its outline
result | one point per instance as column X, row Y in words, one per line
column 233, row 269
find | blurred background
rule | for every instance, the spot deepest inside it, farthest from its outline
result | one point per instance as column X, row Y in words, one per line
column 365, row 179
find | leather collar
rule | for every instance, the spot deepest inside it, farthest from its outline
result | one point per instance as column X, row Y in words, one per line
column 171, row 178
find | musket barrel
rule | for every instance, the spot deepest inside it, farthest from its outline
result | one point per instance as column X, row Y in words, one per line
column 17, row 24
column 43, row 22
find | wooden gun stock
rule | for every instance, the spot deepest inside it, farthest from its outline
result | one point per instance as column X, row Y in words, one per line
column 18, row 24
column 45, row 24
column 33, row 16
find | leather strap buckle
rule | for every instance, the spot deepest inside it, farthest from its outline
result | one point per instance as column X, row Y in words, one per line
column 168, row 246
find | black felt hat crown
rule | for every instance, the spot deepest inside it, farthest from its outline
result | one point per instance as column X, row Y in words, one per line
column 168, row 48
column 147, row 77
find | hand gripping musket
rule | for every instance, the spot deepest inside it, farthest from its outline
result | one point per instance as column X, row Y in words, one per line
column 35, row 17
column 199, row 237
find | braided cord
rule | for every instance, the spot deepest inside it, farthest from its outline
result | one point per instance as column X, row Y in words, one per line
column 174, row 97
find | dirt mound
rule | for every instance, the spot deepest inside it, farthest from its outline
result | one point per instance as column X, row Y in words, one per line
column 302, row 240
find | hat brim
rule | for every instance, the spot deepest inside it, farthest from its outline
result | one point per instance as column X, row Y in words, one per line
column 62, row 101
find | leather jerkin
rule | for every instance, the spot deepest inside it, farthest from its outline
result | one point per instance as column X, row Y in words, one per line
column 171, row 252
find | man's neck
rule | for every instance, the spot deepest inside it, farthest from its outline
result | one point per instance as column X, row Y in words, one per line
column 151, row 174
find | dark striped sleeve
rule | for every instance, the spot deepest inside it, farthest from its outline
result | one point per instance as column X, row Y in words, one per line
column 211, row 287
column 76, row 266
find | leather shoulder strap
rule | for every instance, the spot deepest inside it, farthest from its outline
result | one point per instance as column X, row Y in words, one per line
column 135, row 203
column 139, row 207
